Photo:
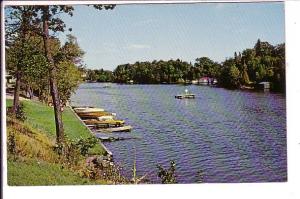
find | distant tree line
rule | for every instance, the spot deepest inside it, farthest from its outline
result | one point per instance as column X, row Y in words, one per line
column 263, row 62
column 99, row 75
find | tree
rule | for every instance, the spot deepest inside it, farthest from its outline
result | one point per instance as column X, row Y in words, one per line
column 244, row 75
column 17, row 25
column 51, row 21
column 49, row 16
column 230, row 75
column 206, row 67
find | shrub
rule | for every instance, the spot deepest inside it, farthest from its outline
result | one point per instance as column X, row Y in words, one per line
column 102, row 167
column 20, row 113
column 73, row 151
column 68, row 152
column 84, row 145
column 167, row 176
column 11, row 144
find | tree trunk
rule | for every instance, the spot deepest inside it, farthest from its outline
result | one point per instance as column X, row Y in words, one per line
column 17, row 92
column 16, row 103
column 52, row 78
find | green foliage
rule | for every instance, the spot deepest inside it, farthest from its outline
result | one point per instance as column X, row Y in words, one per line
column 41, row 117
column 30, row 152
column 206, row 67
column 68, row 152
column 244, row 76
column 20, row 113
column 102, row 168
column 167, row 176
column 85, row 144
column 230, row 75
column 262, row 63
column 11, row 144
column 100, row 75
column 171, row 71
column 69, row 78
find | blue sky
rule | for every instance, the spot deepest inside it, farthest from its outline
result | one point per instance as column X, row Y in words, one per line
column 131, row 33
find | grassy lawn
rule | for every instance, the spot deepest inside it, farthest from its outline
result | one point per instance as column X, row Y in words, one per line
column 42, row 173
column 41, row 117
column 32, row 161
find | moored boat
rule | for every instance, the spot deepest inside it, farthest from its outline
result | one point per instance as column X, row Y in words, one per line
column 99, row 123
column 95, row 115
column 106, row 117
column 115, row 129
column 88, row 110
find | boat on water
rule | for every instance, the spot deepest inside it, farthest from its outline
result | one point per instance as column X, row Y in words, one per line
column 106, row 117
column 186, row 95
column 104, row 123
column 88, row 110
column 127, row 128
column 94, row 115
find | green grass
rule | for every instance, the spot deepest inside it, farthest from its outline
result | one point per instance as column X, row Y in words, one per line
column 41, row 117
column 31, row 159
column 42, row 173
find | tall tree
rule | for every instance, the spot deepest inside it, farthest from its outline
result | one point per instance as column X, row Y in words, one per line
column 49, row 16
column 17, row 25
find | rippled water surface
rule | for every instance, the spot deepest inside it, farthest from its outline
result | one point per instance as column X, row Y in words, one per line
column 229, row 136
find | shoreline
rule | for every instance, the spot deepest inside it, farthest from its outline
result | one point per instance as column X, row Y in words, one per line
column 108, row 152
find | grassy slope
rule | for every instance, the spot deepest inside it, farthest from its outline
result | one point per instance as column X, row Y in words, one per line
column 35, row 164
column 41, row 117
column 41, row 173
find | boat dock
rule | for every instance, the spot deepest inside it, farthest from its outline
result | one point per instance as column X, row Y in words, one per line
column 186, row 95
column 103, row 146
column 98, row 121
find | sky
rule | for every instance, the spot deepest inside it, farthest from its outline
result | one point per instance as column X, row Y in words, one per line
column 131, row 33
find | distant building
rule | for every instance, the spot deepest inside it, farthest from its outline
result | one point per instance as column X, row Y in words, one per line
column 263, row 86
column 205, row 81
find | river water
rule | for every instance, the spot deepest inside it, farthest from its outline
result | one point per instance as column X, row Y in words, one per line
column 221, row 136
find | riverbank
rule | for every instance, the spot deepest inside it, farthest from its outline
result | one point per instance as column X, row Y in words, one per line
column 32, row 159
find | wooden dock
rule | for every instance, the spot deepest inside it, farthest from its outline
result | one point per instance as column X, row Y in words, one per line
column 103, row 146
column 185, row 96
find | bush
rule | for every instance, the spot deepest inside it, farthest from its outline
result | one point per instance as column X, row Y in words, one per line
column 167, row 176
column 11, row 144
column 84, row 145
column 102, row 167
column 73, row 151
column 20, row 113
column 69, row 152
